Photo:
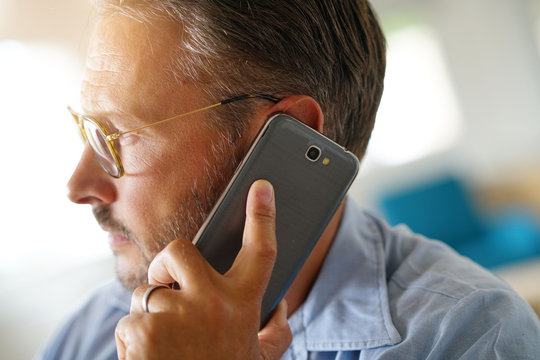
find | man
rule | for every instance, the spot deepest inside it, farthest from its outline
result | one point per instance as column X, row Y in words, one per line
column 366, row 291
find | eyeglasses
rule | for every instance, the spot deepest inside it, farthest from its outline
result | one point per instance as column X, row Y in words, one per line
column 102, row 143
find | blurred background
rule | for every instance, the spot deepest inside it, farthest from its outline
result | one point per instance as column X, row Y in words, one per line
column 455, row 153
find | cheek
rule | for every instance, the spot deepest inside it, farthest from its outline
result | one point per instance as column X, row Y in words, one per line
column 138, row 205
column 143, row 158
column 180, row 153
column 156, row 177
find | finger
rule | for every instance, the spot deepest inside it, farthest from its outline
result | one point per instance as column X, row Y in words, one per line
column 180, row 261
column 134, row 337
column 148, row 336
column 276, row 336
column 159, row 300
column 120, row 347
column 255, row 261
column 120, row 335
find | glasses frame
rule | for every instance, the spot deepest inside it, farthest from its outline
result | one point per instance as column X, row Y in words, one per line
column 110, row 138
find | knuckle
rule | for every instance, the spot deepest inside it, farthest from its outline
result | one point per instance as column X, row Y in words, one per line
column 267, row 213
column 121, row 325
column 136, row 299
column 284, row 330
column 264, row 222
column 176, row 249
column 149, row 332
column 176, row 246
column 264, row 214
column 138, row 292
column 152, row 326
column 267, row 250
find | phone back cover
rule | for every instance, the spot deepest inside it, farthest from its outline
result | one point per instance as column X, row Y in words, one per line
column 307, row 194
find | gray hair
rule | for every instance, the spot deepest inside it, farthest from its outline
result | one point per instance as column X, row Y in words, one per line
column 331, row 50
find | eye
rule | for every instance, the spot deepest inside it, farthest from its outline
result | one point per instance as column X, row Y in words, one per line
column 127, row 139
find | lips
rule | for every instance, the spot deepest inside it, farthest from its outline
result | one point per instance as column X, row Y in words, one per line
column 117, row 240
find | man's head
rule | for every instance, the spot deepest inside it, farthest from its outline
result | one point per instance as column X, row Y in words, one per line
column 150, row 60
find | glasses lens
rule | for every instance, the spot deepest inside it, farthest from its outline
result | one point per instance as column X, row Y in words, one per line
column 97, row 140
column 80, row 130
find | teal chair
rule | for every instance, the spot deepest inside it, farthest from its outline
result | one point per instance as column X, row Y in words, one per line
column 442, row 209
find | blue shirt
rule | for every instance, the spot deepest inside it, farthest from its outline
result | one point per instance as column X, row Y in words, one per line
column 382, row 293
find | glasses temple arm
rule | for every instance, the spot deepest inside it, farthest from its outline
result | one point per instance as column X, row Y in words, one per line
column 223, row 102
column 117, row 135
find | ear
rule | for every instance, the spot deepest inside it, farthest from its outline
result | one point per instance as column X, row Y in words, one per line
column 303, row 108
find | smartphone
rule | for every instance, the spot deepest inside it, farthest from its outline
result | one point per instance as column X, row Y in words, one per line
column 310, row 175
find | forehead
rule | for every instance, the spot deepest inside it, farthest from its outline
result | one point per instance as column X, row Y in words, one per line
column 121, row 35
column 127, row 65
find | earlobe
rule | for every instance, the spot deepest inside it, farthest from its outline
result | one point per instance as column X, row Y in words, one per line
column 303, row 108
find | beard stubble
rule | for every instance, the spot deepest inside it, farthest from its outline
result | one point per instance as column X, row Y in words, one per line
column 191, row 209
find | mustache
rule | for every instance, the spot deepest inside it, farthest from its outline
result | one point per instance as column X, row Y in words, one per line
column 105, row 220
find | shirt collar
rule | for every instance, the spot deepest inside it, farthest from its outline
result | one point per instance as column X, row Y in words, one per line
column 347, row 308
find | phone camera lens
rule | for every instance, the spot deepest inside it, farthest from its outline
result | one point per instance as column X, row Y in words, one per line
column 313, row 153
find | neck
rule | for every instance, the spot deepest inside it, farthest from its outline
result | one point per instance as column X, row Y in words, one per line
column 301, row 286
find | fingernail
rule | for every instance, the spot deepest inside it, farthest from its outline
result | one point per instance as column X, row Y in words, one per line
column 265, row 192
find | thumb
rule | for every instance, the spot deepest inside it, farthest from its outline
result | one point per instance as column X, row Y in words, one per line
column 253, row 266
column 276, row 336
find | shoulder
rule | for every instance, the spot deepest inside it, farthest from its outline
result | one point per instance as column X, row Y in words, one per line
column 449, row 304
column 490, row 324
column 89, row 332
column 484, row 324
column 414, row 262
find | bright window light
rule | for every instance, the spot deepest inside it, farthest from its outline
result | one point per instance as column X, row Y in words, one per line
column 418, row 115
column 40, row 147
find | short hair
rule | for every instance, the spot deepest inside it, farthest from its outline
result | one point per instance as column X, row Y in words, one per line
column 331, row 50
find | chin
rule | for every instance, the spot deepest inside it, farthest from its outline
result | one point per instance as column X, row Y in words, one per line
column 131, row 273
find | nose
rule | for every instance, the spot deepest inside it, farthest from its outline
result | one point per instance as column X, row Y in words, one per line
column 90, row 184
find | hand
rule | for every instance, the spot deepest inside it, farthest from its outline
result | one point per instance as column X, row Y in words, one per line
column 213, row 316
